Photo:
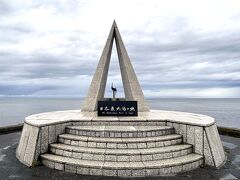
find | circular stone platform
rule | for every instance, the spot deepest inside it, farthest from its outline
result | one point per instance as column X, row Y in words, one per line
column 151, row 144
column 154, row 115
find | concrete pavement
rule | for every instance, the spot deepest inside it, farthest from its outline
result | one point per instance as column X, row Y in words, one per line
column 11, row 168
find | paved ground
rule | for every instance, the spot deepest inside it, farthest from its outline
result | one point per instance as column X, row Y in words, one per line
column 11, row 168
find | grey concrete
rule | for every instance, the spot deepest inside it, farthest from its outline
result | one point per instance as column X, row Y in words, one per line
column 119, row 131
column 124, row 142
column 152, row 118
column 11, row 168
column 215, row 144
column 12, row 128
column 35, row 140
column 97, row 154
column 198, row 130
column 119, row 152
column 131, row 85
column 28, row 143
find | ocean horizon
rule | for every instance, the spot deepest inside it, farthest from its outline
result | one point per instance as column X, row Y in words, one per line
column 226, row 111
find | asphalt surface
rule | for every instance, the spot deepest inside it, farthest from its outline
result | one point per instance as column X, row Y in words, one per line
column 11, row 168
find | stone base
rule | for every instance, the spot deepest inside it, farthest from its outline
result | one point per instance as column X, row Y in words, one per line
column 42, row 131
column 123, row 169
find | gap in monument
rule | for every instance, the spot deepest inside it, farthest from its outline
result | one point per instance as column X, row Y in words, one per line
column 114, row 76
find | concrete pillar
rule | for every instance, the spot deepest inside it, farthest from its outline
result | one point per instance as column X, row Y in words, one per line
column 131, row 85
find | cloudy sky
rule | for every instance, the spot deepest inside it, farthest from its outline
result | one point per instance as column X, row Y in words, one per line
column 178, row 48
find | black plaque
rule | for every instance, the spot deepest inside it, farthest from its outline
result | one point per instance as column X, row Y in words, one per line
column 117, row 108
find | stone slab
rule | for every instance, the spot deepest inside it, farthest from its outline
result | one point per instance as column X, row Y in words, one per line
column 198, row 130
column 57, row 117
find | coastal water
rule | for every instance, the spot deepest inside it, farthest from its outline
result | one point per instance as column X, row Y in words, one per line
column 13, row 110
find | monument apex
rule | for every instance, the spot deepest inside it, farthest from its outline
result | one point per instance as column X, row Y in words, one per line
column 132, row 88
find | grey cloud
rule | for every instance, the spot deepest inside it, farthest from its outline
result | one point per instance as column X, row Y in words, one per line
column 18, row 28
column 62, row 6
column 27, row 89
column 191, row 84
column 174, row 57
column 5, row 7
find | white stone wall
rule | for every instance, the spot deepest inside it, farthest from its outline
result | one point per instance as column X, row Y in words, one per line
column 205, row 141
column 27, row 145
column 198, row 130
column 35, row 141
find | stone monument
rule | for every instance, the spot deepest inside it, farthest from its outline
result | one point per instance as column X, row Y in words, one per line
column 132, row 88
column 130, row 142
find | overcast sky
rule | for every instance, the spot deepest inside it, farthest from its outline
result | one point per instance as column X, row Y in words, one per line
column 178, row 48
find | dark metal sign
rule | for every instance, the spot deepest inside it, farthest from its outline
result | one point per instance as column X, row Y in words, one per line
column 117, row 108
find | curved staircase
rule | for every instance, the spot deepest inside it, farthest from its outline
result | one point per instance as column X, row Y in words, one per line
column 125, row 151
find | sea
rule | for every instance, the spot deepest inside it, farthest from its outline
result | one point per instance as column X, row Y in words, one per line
column 13, row 110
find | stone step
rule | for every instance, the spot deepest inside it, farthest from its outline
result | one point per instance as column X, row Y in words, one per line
column 123, row 169
column 122, row 122
column 120, row 131
column 120, row 143
column 127, row 155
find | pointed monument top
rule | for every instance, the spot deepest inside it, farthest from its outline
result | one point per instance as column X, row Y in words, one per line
column 131, row 86
column 114, row 24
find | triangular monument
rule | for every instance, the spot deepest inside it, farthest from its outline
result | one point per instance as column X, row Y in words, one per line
column 179, row 141
column 132, row 88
